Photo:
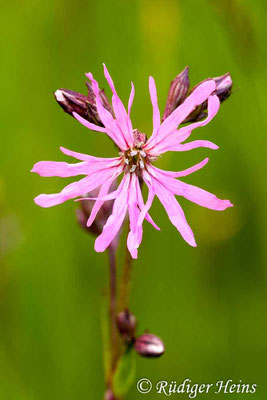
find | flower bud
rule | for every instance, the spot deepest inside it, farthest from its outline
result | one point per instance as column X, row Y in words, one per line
column 224, row 85
column 109, row 395
column 148, row 345
column 223, row 90
column 126, row 323
column 179, row 90
column 83, row 105
column 177, row 93
column 71, row 101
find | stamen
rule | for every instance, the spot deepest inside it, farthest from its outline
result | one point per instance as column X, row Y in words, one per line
column 153, row 158
column 133, row 168
column 135, row 159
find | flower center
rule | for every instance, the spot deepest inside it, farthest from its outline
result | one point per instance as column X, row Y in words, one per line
column 134, row 158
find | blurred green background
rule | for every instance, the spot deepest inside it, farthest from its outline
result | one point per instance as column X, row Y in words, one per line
column 208, row 303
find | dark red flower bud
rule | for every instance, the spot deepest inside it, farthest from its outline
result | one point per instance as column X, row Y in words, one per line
column 179, row 90
column 83, row 105
column 177, row 93
column 126, row 323
column 148, row 345
column 223, row 90
column 72, row 101
column 224, row 86
column 109, row 395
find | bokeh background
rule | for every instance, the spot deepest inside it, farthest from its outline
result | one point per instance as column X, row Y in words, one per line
column 208, row 303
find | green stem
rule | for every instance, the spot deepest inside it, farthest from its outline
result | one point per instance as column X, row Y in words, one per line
column 117, row 345
column 113, row 305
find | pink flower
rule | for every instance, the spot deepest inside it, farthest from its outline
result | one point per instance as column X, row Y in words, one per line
column 135, row 162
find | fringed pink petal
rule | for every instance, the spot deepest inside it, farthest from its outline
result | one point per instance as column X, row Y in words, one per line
column 71, row 191
column 130, row 102
column 198, row 96
column 91, row 159
column 154, row 101
column 116, row 219
column 213, row 108
column 182, row 134
column 121, row 115
column 112, row 128
column 141, row 206
column 62, row 169
column 107, row 197
column 174, row 211
column 78, row 188
column 150, row 198
column 193, row 193
column 135, row 234
column 196, row 144
column 199, row 196
column 88, row 124
column 191, row 145
column 98, row 203
column 151, row 168
column 79, row 156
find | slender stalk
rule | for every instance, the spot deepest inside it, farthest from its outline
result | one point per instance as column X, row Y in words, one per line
column 114, row 337
column 112, row 304
column 116, row 343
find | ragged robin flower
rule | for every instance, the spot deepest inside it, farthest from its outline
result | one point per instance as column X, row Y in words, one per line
column 135, row 162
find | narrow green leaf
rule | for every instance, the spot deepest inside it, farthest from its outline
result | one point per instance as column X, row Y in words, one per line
column 125, row 373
